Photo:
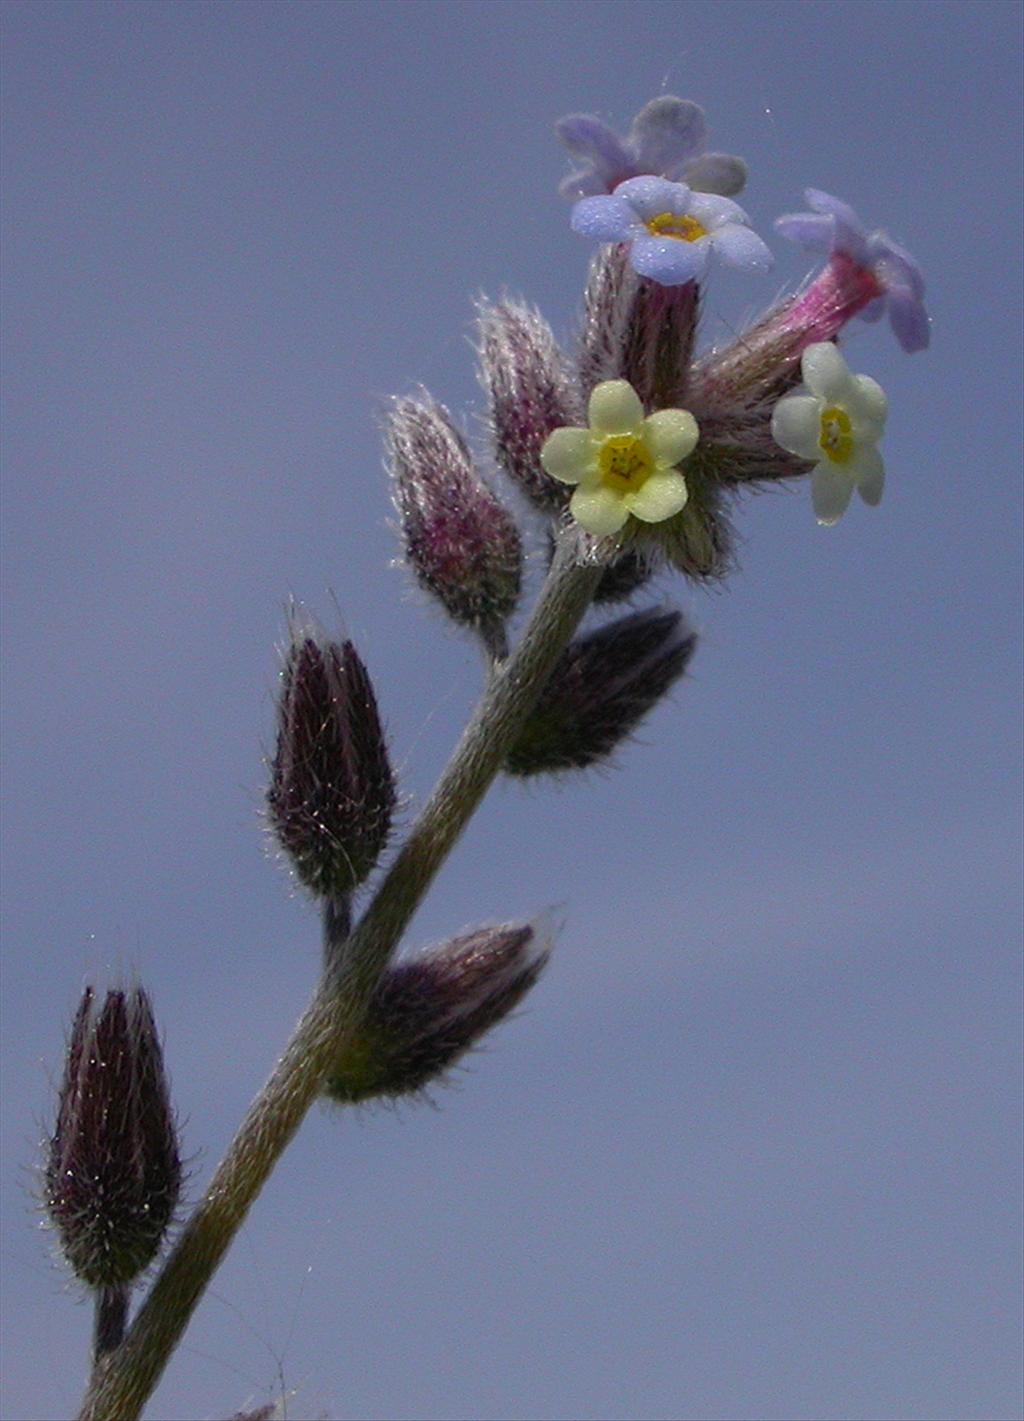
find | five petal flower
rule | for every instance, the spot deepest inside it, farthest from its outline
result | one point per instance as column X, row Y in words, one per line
column 833, row 227
column 672, row 231
column 836, row 426
column 623, row 464
column 668, row 137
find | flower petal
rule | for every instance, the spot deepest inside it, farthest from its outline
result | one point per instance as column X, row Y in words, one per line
column 909, row 320
column 807, row 229
column 824, row 202
column 615, row 408
column 825, row 372
column 712, row 211
column 649, row 196
column 714, row 172
column 587, row 138
column 867, row 406
column 668, row 260
column 598, row 509
column 738, row 246
column 670, row 435
column 831, row 490
column 796, row 425
column 870, row 476
column 661, row 496
column 569, row 455
column 605, row 219
column 667, row 131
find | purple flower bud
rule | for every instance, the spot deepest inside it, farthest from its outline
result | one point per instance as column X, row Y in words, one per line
column 531, row 392
column 604, row 685
column 431, row 1010
column 637, row 330
column 113, row 1174
column 331, row 793
column 462, row 544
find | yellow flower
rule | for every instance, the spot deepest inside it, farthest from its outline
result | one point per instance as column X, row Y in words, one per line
column 623, row 464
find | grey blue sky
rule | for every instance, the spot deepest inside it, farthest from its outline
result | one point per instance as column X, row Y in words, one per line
column 752, row 1151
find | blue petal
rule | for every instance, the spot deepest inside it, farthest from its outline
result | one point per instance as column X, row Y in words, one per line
column 874, row 310
column 848, row 233
column 810, row 231
column 592, row 141
column 588, row 138
column 893, row 264
column 605, row 219
column 668, row 261
column 833, row 207
column 667, row 131
column 909, row 319
column 650, row 196
column 740, row 247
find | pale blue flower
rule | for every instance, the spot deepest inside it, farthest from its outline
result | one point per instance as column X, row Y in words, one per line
column 672, row 232
column 668, row 138
column 833, row 227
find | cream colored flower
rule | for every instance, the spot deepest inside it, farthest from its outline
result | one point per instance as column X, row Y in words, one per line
column 623, row 464
column 836, row 426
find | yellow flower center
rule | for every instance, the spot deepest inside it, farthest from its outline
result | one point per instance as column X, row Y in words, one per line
column 624, row 462
column 836, row 438
column 683, row 228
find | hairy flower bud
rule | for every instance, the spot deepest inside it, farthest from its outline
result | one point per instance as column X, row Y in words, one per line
column 637, row 330
column 113, row 1173
column 429, row 1011
column 331, row 793
column 531, row 392
column 462, row 544
column 604, row 685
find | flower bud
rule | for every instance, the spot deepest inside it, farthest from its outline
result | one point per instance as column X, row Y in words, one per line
column 429, row 1011
column 531, row 391
column 332, row 793
column 637, row 330
column 604, row 685
column 462, row 544
column 113, row 1174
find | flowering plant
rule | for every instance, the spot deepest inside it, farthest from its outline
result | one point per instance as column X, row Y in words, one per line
column 627, row 452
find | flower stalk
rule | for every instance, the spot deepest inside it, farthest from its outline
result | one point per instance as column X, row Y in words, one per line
column 124, row 1378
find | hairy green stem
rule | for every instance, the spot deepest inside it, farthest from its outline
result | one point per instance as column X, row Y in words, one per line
column 123, row 1379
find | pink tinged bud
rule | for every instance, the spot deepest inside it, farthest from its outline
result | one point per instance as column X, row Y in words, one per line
column 531, row 392
column 637, row 330
column 113, row 1174
column 462, row 544
column 764, row 363
column 428, row 1012
column 332, row 793
column 602, row 688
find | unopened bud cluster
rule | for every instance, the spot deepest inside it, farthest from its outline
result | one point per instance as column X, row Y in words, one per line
column 113, row 1172
column 428, row 1012
column 332, row 792
column 460, row 541
column 605, row 684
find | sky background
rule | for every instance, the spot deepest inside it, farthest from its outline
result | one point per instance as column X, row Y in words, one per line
column 752, row 1151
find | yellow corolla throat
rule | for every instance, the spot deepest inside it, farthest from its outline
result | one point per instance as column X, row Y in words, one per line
column 836, row 437
column 683, row 228
column 624, row 462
